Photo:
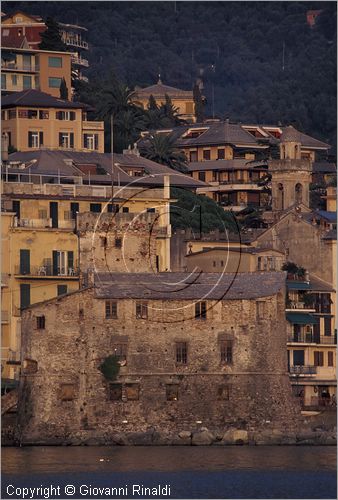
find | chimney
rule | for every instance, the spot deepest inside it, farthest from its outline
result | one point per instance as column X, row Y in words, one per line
column 4, row 147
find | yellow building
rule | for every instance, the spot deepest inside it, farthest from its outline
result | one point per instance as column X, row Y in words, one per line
column 34, row 120
column 24, row 68
column 183, row 100
column 312, row 341
column 42, row 192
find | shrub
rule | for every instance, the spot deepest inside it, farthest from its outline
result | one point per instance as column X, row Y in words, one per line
column 110, row 368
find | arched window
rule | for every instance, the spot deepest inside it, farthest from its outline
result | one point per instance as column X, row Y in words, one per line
column 298, row 193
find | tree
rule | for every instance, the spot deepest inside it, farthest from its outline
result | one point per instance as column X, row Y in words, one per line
column 110, row 368
column 170, row 114
column 51, row 38
column 198, row 104
column 152, row 104
column 63, row 90
column 161, row 149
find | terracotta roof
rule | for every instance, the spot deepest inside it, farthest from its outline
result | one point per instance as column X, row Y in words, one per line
column 50, row 162
column 35, row 98
column 250, row 250
column 159, row 90
column 13, row 40
column 187, row 286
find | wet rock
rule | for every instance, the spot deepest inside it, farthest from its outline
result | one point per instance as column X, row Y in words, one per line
column 202, row 438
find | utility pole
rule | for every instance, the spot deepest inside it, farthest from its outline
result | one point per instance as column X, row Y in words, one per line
column 213, row 90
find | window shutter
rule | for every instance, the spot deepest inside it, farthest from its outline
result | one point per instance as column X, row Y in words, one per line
column 40, row 139
column 60, row 139
column 58, row 115
column 25, row 295
column 70, row 256
column 96, row 141
column 72, row 115
column 24, row 261
column 85, row 140
column 71, row 135
column 55, row 263
column 30, row 139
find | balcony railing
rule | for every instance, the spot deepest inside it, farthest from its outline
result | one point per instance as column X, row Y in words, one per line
column 37, row 223
column 76, row 42
column 79, row 60
column 310, row 338
column 19, row 67
column 46, row 270
column 89, row 125
column 303, row 370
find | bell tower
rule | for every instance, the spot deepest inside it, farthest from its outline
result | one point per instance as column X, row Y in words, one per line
column 290, row 175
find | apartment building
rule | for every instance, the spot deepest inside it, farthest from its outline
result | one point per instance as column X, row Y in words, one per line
column 33, row 120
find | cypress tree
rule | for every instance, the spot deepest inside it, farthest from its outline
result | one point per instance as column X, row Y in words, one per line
column 51, row 38
column 152, row 104
column 63, row 90
column 198, row 104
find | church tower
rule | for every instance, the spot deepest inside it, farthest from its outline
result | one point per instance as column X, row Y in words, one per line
column 290, row 175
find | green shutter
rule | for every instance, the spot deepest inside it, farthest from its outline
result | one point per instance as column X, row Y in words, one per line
column 24, row 261
column 55, row 263
column 62, row 290
column 70, row 257
column 71, row 141
column 25, row 295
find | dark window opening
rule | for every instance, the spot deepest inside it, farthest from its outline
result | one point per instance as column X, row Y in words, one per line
column 223, row 392
column 62, row 290
column 201, row 310
column 115, row 392
column 226, row 351
column 172, row 392
column 95, row 207
column 40, row 322
column 182, row 353
column 118, row 242
column 111, row 309
column 141, row 310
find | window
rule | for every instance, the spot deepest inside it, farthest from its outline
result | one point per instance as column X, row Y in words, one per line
column 112, row 208
column 226, row 351
column 214, row 263
column 32, row 114
column 298, row 358
column 118, row 242
column 66, row 139
column 91, row 141
column 192, row 155
column 260, row 309
column 3, row 81
column 24, row 261
column 55, row 62
column 181, row 353
column 201, row 176
column 54, row 82
column 220, row 154
column 63, row 263
column 27, row 82
column 65, row 115
column 40, row 322
column 11, row 114
column 201, row 310
column 61, row 290
column 223, row 392
column 115, row 392
column 35, row 139
column 14, row 80
column 125, row 210
column 141, row 310
column 120, row 351
column 330, row 358
column 206, row 154
column 318, row 358
column 327, row 326
column 67, row 392
column 95, row 207
column 111, row 309
column 74, row 208
column 151, row 210
column 172, row 392
column 43, row 114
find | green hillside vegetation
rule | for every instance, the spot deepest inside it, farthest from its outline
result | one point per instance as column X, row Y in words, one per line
column 261, row 60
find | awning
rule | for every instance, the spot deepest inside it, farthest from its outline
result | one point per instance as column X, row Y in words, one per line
column 301, row 318
column 297, row 285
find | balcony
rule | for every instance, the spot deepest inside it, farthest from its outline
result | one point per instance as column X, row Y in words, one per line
column 301, row 370
column 47, row 271
column 4, row 317
column 27, row 68
column 75, row 42
column 293, row 304
column 310, row 338
column 33, row 223
column 91, row 125
column 79, row 61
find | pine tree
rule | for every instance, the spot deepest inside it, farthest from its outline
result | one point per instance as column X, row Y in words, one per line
column 198, row 104
column 63, row 90
column 51, row 38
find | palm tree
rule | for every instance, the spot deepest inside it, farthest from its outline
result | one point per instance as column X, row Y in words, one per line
column 161, row 149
